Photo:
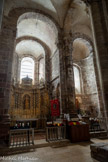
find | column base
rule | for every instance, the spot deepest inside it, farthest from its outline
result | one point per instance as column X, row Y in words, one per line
column 4, row 130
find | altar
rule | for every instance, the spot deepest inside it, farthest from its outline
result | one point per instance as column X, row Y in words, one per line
column 30, row 104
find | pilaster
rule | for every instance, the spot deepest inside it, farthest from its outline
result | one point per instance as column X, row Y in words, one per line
column 7, row 37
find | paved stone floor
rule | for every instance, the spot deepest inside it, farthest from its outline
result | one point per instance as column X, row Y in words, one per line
column 78, row 152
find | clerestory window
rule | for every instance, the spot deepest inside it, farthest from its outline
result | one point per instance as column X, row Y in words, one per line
column 27, row 68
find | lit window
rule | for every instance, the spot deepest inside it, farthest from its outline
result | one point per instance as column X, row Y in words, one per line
column 27, row 68
column 77, row 80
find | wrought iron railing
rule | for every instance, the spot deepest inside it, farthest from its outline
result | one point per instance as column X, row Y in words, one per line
column 21, row 137
column 55, row 133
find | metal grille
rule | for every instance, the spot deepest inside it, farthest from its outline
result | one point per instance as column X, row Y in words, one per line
column 55, row 133
column 21, row 137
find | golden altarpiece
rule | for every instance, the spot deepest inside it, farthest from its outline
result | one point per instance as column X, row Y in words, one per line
column 29, row 103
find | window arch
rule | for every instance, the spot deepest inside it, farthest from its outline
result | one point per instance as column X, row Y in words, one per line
column 27, row 68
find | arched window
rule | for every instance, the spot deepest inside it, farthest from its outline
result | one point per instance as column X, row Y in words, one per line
column 27, row 68
column 77, row 80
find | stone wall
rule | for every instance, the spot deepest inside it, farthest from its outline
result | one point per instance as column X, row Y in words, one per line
column 55, row 91
column 55, row 65
column 55, row 71
column 15, row 68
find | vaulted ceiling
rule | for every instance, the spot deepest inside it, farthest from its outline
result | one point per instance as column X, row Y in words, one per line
column 38, row 29
column 59, row 10
column 56, row 8
column 29, row 47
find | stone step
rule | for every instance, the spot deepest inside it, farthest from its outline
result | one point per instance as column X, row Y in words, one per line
column 39, row 130
column 98, row 134
column 30, row 148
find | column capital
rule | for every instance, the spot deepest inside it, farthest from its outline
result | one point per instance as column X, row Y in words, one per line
column 65, row 39
column 68, row 37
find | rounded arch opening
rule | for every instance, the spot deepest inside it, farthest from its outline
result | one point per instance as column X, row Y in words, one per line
column 36, row 36
column 47, row 51
column 83, row 56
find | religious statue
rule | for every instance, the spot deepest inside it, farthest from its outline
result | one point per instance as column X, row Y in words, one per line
column 26, row 102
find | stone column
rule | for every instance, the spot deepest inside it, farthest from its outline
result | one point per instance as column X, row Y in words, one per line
column 7, row 37
column 67, row 75
column 98, row 11
column 47, row 69
column 70, row 85
column 62, row 74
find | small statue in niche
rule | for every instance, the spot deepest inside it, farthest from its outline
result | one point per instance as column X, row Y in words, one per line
column 26, row 102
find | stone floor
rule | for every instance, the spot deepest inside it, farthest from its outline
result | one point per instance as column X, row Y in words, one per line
column 78, row 152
